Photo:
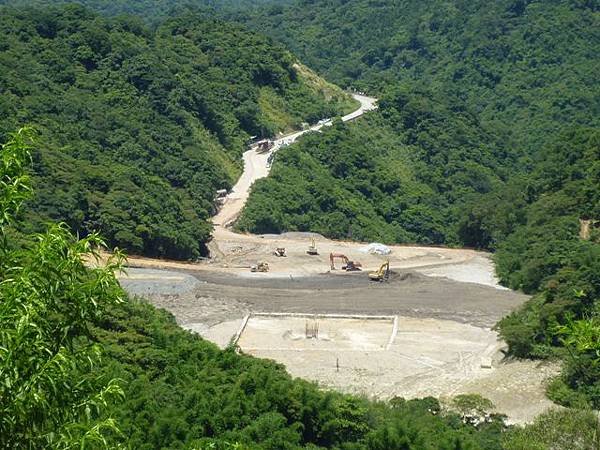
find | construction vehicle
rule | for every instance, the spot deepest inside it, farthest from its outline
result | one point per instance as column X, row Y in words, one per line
column 280, row 251
column 349, row 266
column 264, row 145
column 260, row 267
column 312, row 248
column 383, row 274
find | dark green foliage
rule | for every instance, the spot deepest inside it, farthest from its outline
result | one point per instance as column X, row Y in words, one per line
column 51, row 395
column 149, row 10
column 402, row 174
column 565, row 429
column 501, row 81
column 526, row 67
column 547, row 255
column 140, row 127
column 562, row 189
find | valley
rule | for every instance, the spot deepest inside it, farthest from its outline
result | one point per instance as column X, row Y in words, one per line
column 300, row 224
column 445, row 302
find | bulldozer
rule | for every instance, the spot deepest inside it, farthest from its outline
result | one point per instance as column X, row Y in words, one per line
column 280, row 251
column 312, row 248
column 383, row 274
column 260, row 267
column 349, row 266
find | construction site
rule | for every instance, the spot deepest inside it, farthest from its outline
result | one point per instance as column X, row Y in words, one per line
column 418, row 325
column 381, row 321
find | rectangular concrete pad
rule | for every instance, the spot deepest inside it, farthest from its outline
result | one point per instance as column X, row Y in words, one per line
column 336, row 333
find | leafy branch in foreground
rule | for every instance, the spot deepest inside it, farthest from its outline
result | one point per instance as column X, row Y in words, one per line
column 14, row 183
column 50, row 394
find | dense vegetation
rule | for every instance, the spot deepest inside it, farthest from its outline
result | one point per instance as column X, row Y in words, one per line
column 158, row 386
column 403, row 174
column 486, row 137
column 141, row 126
column 546, row 254
column 485, row 88
column 51, row 394
column 150, row 10
column 525, row 67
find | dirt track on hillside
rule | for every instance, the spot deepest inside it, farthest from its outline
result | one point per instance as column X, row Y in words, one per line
column 256, row 165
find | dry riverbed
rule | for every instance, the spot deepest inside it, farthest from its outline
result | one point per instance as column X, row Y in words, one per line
column 443, row 334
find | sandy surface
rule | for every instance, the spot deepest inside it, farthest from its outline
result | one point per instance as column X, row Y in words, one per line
column 427, row 357
column 233, row 254
column 338, row 335
column 479, row 269
column 407, row 293
column 443, row 335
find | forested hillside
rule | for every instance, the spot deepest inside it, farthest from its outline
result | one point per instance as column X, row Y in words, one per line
column 82, row 366
column 487, row 136
column 150, row 10
column 485, row 87
column 402, row 174
column 142, row 126
column 526, row 67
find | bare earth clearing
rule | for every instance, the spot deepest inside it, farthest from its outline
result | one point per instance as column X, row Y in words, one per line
column 439, row 303
column 442, row 339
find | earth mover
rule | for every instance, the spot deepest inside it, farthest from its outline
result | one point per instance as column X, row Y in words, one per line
column 260, row 267
column 348, row 265
column 280, row 251
column 383, row 274
column 264, row 145
column 312, row 248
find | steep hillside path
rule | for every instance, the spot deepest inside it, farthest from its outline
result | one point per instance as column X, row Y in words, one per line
column 256, row 165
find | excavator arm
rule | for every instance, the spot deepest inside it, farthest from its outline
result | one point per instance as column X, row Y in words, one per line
column 348, row 265
column 382, row 274
column 333, row 256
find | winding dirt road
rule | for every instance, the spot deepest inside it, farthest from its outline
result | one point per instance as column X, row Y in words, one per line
column 256, row 165
column 234, row 253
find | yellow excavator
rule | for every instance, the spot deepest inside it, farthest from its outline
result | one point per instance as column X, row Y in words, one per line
column 348, row 266
column 383, row 274
column 312, row 248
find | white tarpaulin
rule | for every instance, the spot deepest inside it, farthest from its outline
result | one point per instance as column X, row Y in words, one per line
column 376, row 248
